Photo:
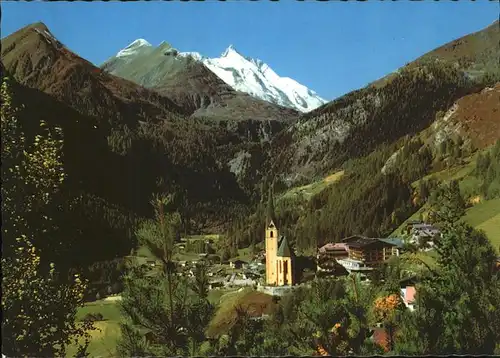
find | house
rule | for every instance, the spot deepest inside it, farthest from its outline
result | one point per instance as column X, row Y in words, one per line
column 410, row 224
column 408, row 297
column 334, row 250
column 364, row 254
column 237, row 264
column 408, row 291
column 424, row 232
column 327, row 256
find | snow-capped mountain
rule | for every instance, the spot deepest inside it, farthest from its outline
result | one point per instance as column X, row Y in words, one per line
column 134, row 48
column 241, row 73
column 259, row 80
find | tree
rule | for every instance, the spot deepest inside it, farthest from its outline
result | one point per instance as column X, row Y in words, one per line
column 173, row 312
column 39, row 313
column 457, row 310
column 39, row 309
column 387, row 311
column 447, row 204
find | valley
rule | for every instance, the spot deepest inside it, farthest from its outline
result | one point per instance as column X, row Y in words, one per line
column 164, row 183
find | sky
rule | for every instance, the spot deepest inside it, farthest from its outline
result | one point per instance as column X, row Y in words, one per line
column 331, row 47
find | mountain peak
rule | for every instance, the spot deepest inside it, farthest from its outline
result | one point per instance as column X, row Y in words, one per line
column 241, row 73
column 38, row 26
column 133, row 47
column 230, row 51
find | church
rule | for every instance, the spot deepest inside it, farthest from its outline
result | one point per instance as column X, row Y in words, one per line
column 279, row 258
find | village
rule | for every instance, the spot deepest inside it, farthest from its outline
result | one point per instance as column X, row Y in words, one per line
column 275, row 270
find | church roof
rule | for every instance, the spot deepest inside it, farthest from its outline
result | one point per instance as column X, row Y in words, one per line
column 284, row 248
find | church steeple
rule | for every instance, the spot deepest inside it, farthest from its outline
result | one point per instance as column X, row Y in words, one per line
column 270, row 216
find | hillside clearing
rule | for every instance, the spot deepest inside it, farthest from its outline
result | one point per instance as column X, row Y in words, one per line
column 105, row 337
column 486, row 216
column 309, row 190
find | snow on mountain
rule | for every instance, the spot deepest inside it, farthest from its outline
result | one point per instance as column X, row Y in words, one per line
column 259, row 80
column 133, row 48
column 244, row 74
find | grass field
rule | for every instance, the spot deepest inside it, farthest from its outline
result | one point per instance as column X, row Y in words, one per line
column 486, row 216
column 307, row 191
column 105, row 338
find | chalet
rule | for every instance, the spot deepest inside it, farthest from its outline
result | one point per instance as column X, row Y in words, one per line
column 334, row 250
column 328, row 255
column 364, row 254
column 424, row 231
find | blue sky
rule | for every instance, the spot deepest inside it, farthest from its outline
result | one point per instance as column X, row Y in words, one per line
column 331, row 47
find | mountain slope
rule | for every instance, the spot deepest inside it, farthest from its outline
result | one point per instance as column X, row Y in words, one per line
column 258, row 79
column 190, row 84
column 403, row 103
column 124, row 142
column 36, row 59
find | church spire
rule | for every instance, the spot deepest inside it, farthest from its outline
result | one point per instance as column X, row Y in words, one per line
column 270, row 216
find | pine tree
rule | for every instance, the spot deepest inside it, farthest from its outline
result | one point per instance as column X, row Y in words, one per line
column 457, row 311
column 174, row 312
column 447, row 204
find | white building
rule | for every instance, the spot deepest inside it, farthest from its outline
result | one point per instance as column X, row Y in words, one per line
column 408, row 296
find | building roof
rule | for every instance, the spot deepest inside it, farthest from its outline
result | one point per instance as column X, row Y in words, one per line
column 393, row 241
column 409, row 281
column 360, row 241
column 284, row 248
column 339, row 246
